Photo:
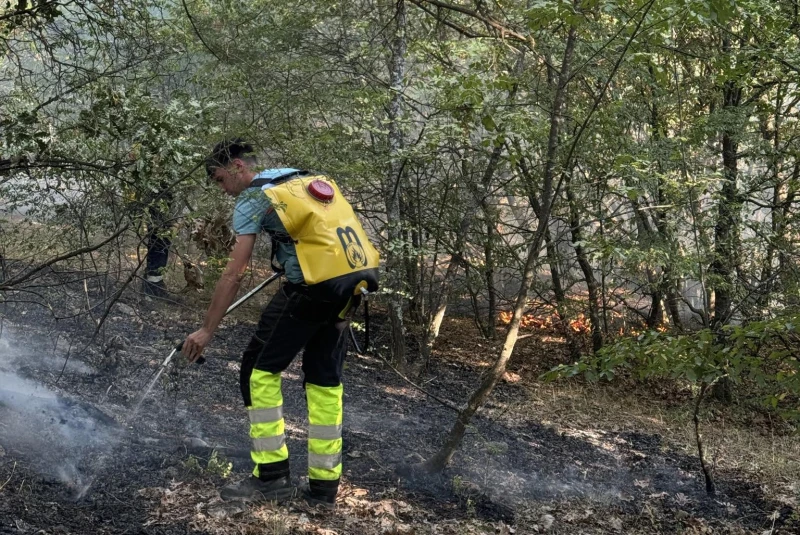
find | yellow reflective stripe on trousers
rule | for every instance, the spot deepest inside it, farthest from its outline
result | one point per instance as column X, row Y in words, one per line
column 266, row 419
column 325, row 421
column 262, row 416
column 324, row 447
column 262, row 444
column 325, row 461
column 327, row 432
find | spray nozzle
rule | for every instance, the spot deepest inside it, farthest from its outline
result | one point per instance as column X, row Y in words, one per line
column 179, row 348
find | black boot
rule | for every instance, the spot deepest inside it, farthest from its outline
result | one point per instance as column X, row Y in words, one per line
column 325, row 501
column 322, row 493
column 254, row 489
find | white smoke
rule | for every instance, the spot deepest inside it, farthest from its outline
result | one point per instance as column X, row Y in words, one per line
column 55, row 435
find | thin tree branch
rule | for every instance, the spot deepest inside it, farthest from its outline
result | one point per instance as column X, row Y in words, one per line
column 197, row 32
column 489, row 21
column 460, row 29
column 449, row 404
column 9, row 285
column 602, row 93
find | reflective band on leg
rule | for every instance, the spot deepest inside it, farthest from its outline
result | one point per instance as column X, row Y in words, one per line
column 262, row 416
column 155, row 278
column 266, row 419
column 324, row 461
column 268, row 444
column 324, row 431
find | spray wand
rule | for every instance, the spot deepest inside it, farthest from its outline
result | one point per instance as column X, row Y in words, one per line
column 201, row 360
column 83, row 489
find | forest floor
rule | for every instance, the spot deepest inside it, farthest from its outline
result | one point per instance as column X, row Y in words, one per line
column 567, row 457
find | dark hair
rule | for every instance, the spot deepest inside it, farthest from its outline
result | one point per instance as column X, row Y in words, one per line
column 226, row 151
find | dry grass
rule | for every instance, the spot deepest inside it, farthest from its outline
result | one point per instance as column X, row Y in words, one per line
column 733, row 442
column 742, row 438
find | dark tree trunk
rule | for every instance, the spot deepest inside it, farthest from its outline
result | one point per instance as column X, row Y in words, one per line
column 668, row 287
column 560, row 297
column 394, row 260
column 491, row 378
column 656, row 314
column 491, row 316
column 586, row 268
column 727, row 227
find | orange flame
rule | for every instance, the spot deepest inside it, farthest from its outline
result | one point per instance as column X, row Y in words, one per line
column 546, row 323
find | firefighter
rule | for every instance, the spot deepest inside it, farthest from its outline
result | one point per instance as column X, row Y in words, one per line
column 328, row 263
column 158, row 241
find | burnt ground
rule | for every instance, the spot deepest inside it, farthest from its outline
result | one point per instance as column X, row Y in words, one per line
column 75, row 460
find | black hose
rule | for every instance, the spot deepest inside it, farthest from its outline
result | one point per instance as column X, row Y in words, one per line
column 353, row 338
column 366, row 325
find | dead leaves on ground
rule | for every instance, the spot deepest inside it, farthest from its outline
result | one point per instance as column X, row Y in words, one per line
column 383, row 515
column 197, row 505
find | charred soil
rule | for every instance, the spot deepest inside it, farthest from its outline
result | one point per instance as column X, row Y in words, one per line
column 74, row 459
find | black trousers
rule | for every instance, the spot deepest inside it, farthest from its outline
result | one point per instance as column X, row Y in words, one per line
column 290, row 322
column 158, row 236
column 157, row 252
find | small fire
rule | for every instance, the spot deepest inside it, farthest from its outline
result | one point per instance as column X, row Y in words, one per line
column 579, row 324
column 549, row 323
column 637, row 330
column 529, row 321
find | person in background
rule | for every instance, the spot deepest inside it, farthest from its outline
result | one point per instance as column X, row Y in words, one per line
column 158, row 241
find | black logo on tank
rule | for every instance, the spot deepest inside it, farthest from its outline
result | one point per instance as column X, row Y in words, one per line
column 351, row 245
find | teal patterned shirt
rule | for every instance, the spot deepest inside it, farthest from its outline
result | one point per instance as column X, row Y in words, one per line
column 254, row 213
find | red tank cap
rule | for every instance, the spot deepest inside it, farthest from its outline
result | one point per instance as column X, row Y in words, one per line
column 322, row 191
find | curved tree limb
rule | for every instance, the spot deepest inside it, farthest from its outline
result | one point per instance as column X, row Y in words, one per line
column 197, row 32
column 9, row 285
column 491, row 22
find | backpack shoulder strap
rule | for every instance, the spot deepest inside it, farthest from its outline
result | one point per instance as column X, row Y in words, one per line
column 260, row 182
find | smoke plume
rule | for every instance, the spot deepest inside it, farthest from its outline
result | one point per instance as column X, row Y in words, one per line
column 55, row 435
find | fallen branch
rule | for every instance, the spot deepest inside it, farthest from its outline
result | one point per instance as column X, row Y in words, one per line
column 9, row 477
column 710, row 487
